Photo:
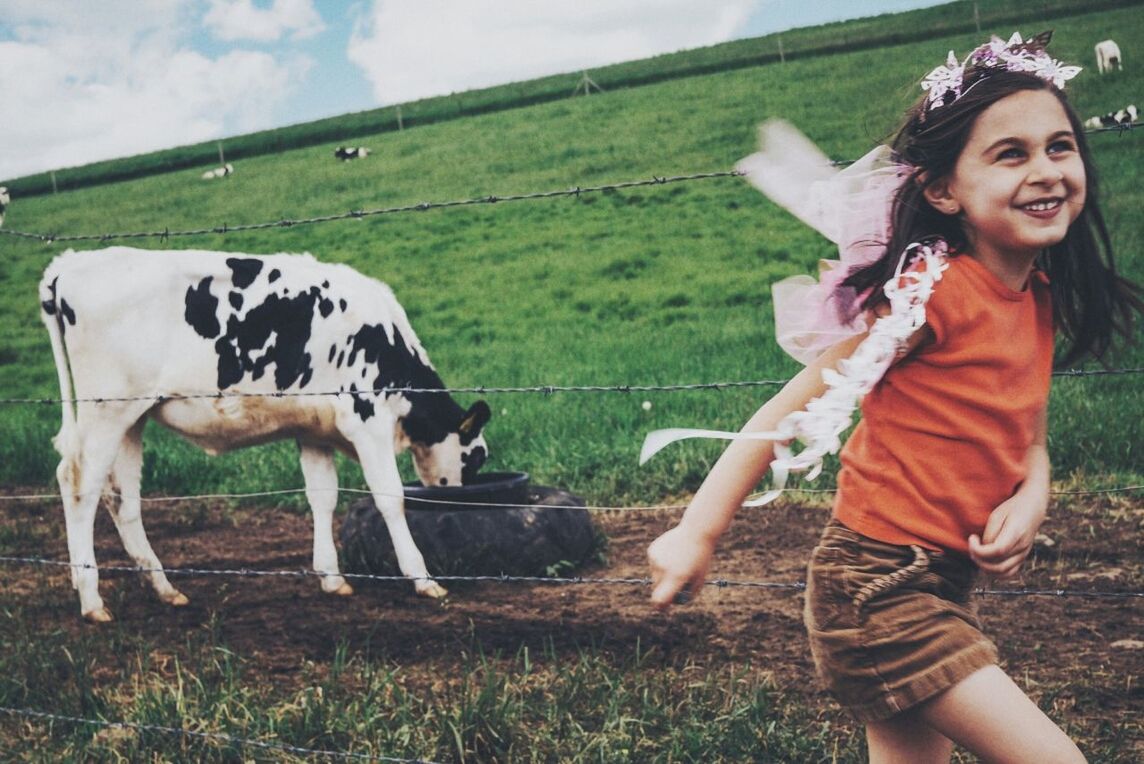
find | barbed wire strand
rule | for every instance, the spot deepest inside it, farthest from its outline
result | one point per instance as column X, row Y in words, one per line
column 471, row 506
column 214, row 736
column 718, row 583
column 476, row 390
column 576, row 191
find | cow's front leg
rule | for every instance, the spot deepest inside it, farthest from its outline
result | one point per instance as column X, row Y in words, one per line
column 321, row 476
column 379, row 464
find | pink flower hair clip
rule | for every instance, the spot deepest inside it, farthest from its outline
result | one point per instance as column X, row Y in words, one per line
column 947, row 83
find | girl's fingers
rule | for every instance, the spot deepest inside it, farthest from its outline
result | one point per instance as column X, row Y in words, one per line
column 664, row 593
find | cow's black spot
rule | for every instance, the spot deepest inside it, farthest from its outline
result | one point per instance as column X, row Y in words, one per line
column 325, row 307
column 471, row 463
column 341, row 358
column 333, row 352
column 432, row 416
column 235, row 300
column 274, row 274
column 289, row 319
column 363, row 407
column 201, row 307
column 67, row 312
column 325, row 285
column 244, row 270
column 342, row 304
column 49, row 306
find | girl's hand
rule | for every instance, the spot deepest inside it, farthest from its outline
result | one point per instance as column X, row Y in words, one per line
column 679, row 561
column 1008, row 536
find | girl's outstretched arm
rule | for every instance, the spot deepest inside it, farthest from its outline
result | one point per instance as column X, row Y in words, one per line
column 1012, row 526
column 679, row 558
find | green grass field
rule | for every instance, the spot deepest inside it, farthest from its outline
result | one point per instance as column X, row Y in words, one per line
column 661, row 285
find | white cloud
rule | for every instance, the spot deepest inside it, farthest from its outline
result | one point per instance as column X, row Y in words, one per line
column 410, row 49
column 79, row 85
column 241, row 20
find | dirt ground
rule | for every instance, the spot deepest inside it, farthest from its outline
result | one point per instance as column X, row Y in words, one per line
column 1081, row 655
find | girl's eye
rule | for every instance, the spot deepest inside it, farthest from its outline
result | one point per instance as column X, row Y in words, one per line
column 1058, row 147
column 1010, row 153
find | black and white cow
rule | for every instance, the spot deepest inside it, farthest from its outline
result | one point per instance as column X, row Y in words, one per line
column 4, row 200
column 343, row 153
column 219, row 172
column 202, row 342
column 1122, row 118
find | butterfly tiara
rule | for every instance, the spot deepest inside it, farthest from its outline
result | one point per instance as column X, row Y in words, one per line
column 947, row 83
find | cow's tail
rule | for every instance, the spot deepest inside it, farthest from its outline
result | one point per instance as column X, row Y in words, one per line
column 53, row 317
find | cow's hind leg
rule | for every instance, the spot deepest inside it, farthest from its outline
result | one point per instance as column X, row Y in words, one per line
column 82, row 474
column 125, row 507
column 321, row 476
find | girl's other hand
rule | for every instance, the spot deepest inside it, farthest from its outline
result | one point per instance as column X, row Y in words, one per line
column 679, row 561
column 1008, row 536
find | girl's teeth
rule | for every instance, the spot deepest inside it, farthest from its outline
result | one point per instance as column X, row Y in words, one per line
column 1041, row 206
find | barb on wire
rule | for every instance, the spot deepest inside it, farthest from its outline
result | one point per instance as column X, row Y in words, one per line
column 576, row 191
column 718, row 583
column 545, row 390
column 220, row 737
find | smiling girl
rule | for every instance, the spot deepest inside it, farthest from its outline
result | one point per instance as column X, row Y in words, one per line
column 993, row 243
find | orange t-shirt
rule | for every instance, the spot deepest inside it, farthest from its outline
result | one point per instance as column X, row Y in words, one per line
column 944, row 435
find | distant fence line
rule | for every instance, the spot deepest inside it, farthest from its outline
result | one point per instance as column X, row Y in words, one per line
column 575, row 191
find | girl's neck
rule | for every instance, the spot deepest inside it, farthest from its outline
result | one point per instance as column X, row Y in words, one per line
column 1011, row 270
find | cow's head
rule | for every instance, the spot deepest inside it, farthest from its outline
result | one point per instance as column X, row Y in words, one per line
column 449, row 455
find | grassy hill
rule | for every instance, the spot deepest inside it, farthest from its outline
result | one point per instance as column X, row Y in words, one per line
column 659, row 285
column 870, row 33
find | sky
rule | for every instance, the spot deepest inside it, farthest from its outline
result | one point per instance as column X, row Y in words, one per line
column 88, row 80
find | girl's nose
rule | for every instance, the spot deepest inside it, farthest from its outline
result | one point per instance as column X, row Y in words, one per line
column 1044, row 170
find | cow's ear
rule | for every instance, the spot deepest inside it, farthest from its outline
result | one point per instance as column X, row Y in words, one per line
column 475, row 418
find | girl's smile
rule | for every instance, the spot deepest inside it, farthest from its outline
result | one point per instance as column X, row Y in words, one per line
column 1018, row 184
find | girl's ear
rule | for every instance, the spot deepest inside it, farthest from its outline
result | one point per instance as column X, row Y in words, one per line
column 941, row 197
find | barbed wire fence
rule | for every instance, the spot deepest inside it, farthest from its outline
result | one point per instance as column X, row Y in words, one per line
column 576, row 192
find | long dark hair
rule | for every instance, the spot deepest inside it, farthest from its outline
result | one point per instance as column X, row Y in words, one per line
column 1091, row 302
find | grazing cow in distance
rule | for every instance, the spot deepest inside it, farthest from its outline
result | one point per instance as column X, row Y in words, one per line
column 1107, row 56
column 1122, row 118
column 219, row 172
column 344, row 154
column 5, row 199
column 232, row 350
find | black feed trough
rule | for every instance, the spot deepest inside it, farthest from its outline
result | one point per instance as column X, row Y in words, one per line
column 498, row 524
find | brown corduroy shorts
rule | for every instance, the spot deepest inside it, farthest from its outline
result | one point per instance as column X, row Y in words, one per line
column 890, row 626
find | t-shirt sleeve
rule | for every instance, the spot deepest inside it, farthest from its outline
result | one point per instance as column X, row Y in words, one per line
column 941, row 307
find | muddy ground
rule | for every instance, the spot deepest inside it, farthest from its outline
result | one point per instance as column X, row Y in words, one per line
column 1081, row 655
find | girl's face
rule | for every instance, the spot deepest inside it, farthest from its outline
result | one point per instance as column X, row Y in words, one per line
column 1019, row 183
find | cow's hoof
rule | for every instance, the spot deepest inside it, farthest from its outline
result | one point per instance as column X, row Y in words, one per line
column 345, row 590
column 178, row 599
column 432, row 589
column 100, row 615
